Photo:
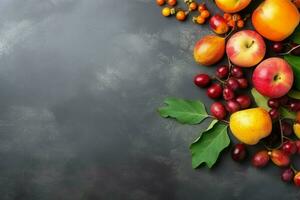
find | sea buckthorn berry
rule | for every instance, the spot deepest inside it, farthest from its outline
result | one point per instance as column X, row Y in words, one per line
column 202, row 7
column 231, row 23
column 180, row 15
column 236, row 17
column 172, row 2
column 199, row 20
column 227, row 16
column 160, row 2
column 205, row 14
column 240, row 23
column 166, row 12
column 193, row 6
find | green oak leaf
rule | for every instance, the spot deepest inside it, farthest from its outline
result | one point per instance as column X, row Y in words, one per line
column 296, row 35
column 184, row 111
column 207, row 148
column 294, row 61
column 259, row 99
column 294, row 94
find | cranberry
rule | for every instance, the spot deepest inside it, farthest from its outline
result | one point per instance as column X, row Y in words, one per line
column 274, row 113
column 294, row 106
column 289, row 148
column 217, row 109
column 239, row 152
column 214, row 91
column 287, row 175
column 277, row 47
column 243, row 83
column 202, row 80
column 297, row 142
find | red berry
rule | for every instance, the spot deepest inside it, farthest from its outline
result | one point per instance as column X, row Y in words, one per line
column 172, row 2
column 233, row 84
column 232, row 106
column 294, row 106
column 222, row 71
column 217, row 109
column 202, row 80
column 244, row 101
column 279, row 158
column 239, row 152
column 283, row 100
column 228, row 94
column 297, row 179
column 277, row 47
column 273, row 103
column 237, row 72
column 243, row 83
column 287, row 128
column 289, row 148
column 260, row 159
column 214, row 91
column 287, row 175
column 274, row 113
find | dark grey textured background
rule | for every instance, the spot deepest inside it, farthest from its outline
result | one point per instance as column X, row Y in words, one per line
column 80, row 81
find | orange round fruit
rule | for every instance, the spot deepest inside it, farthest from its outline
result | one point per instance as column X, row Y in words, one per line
column 180, row 15
column 232, row 6
column 276, row 19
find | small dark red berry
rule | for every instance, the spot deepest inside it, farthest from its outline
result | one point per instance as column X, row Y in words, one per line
column 277, row 47
column 289, row 148
column 228, row 94
column 214, row 91
column 260, row 159
column 218, row 110
column 237, row 72
column 274, row 113
column 239, row 152
column 273, row 103
column 287, row 175
column 233, row 84
column 297, row 142
column 232, row 106
column 243, row 83
column 222, row 71
column 202, row 80
column 287, row 128
column 244, row 101
column 283, row 100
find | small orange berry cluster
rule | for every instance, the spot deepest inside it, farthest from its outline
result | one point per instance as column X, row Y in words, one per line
column 203, row 14
column 181, row 14
column 234, row 20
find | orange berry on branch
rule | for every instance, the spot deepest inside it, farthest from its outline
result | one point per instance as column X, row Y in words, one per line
column 160, row 2
column 166, row 11
column 205, row 14
column 202, row 7
column 180, row 15
column 236, row 17
column 199, row 20
column 193, row 6
column 227, row 16
column 240, row 23
column 231, row 23
column 172, row 2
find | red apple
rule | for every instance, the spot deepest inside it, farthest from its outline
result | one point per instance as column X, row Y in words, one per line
column 218, row 24
column 246, row 48
column 273, row 77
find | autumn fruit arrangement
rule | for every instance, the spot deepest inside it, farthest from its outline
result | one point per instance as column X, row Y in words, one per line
column 256, row 94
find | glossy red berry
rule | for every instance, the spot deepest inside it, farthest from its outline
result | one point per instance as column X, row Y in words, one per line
column 233, row 84
column 218, row 110
column 294, row 106
column 239, row 152
column 274, row 113
column 222, row 71
column 297, row 142
column 279, row 158
column 243, row 83
column 260, row 159
column 287, row 175
column 237, row 72
column 228, row 94
column 273, row 103
column 277, row 47
column 289, row 148
column 202, row 80
column 214, row 91
column 232, row 106
column 244, row 101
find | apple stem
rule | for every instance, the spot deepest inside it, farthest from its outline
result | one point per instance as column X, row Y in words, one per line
column 290, row 51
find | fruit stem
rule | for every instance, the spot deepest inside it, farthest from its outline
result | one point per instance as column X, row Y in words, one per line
column 293, row 168
column 290, row 51
column 221, row 81
column 231, row 31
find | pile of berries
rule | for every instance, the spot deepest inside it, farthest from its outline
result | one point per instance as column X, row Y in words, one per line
column 204, row 14
column 229, row 80
column 234, row 20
